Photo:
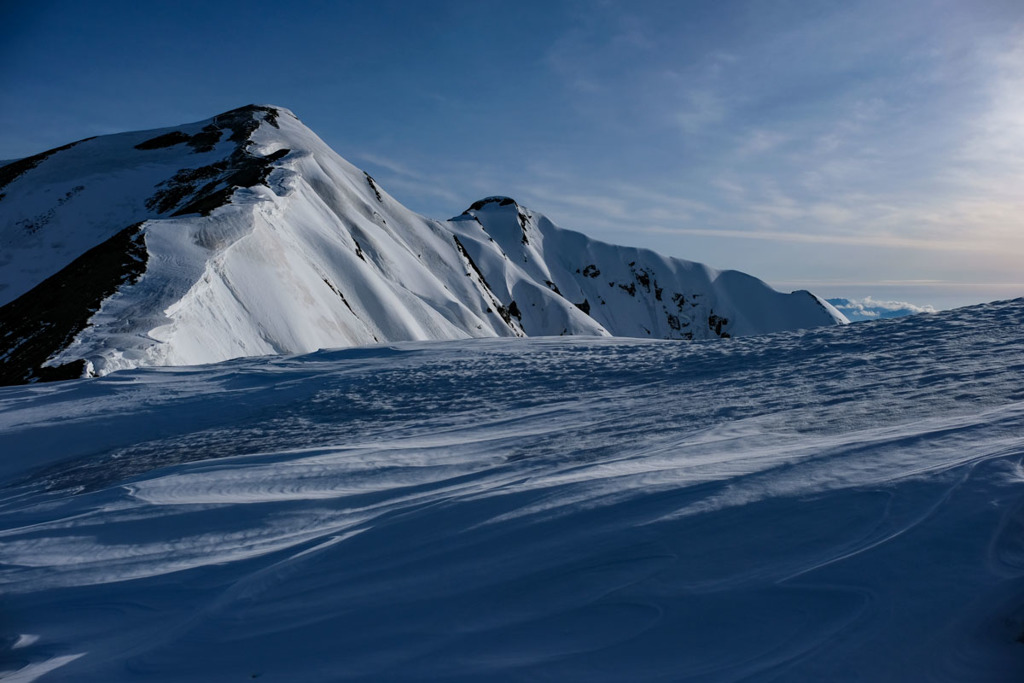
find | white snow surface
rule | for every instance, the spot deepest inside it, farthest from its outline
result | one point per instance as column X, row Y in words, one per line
column 322, row 257
column 842, row 504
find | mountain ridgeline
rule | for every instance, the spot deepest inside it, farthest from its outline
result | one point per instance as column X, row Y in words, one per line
column 246, row 235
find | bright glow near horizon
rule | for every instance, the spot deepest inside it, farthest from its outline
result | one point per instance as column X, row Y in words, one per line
column 856, row 149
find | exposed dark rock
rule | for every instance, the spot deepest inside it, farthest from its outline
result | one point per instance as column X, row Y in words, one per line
column 338, row 292
column 585, row 306
column 373, row 186
column 241, row 169
column 631, row 289
column 500, row 201
column 175, row 137
column 506, row 312
column 245, row 120
column 591, row 271
column 643, row 278
column 673, row 322
column 45, row 320
column 471, row 262
column 204, row 140
column 553, row 287
column 181, row 185
column 816, row 300
column 524, row 220
column 716, row 323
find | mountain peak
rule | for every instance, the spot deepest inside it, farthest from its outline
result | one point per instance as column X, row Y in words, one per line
column 494, row 202
column 258, row 112
column 245, row 234
column 239, row 125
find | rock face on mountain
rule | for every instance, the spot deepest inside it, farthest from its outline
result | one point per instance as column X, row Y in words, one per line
column 246, row 235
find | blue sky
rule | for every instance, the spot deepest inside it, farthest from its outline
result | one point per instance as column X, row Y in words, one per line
column 853, row 148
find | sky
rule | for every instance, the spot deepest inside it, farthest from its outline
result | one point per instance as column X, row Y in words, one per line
column 857, row 149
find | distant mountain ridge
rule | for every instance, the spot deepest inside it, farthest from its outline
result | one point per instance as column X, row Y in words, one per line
column 246, row 235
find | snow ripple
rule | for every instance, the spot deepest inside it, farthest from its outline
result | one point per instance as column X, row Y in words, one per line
column 843, row 504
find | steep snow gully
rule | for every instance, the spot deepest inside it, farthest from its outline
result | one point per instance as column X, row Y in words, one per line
column 840, row 504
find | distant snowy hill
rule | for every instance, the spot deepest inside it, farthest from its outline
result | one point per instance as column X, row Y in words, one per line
column 245, row 235
column 841, row 504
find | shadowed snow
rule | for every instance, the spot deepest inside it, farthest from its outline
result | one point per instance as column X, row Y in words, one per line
column 839, row 504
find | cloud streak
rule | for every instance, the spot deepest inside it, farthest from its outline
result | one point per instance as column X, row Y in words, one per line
column 862, row 240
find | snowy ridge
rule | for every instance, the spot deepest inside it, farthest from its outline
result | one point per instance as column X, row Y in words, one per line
column 259, row 239
column 842, row 504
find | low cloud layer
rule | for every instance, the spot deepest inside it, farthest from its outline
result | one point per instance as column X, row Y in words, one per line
column 871, row 309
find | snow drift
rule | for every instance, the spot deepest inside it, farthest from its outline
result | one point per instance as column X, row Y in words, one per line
column 843, row 504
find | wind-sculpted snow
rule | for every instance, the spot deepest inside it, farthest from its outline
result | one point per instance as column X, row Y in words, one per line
column 839, row 504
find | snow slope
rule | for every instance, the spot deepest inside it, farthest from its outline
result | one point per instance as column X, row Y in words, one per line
column 246, row 235
column 842, row 504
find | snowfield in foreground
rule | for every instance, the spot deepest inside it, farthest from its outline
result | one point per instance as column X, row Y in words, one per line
column 838, row 504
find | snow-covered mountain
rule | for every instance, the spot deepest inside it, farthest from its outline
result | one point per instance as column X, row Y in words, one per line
column 840, row 504
column 246, row 235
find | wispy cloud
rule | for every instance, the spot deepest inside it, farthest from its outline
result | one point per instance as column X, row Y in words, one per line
column 405, row 180
column 390, row 164
column 699, row 110
column 759, row 140
column 862, row 240
column 412, row 186
column 867, row 136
